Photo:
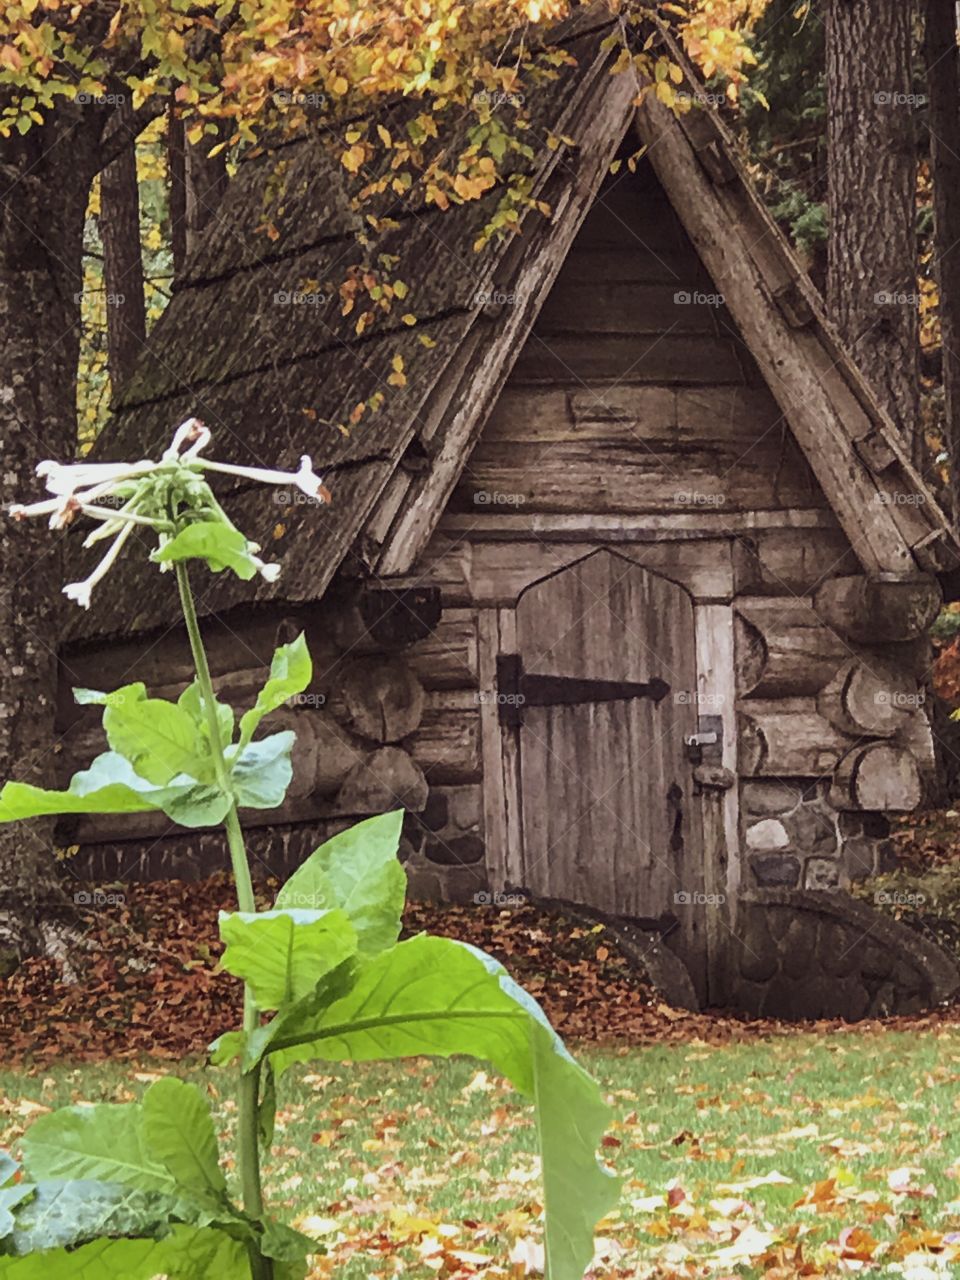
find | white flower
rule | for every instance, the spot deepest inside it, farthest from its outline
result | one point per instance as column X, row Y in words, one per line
column 80, row 591
column 305, row 478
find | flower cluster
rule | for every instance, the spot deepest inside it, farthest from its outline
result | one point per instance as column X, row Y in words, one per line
column 166, row 496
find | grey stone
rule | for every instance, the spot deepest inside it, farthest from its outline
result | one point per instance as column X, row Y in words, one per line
column 465, row 807
column 812, row 830
column 776, row 869
column 859, row 858
column 758, row 960
column 769, row 798
column 886, row 857
column 435, row 813
column 455, row 851
column 821, row 874
column 767, row 836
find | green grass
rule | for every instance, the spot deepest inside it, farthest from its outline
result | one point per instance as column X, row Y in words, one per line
column 393, row 1164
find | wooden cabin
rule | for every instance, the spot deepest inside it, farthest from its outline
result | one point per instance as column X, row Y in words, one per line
column 622, row 595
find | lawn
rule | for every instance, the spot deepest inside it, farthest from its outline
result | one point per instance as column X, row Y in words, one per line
column 425, row 1169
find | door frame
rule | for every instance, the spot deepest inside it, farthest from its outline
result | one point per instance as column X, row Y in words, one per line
column 716, row 692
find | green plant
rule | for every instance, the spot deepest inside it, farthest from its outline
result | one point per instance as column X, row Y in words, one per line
column 137, row 1189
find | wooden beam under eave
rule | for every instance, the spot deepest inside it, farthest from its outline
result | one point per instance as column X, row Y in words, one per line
column 779, row 350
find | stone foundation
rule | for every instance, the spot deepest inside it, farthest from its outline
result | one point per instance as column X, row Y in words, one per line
column 799, row 955
column 793, row 837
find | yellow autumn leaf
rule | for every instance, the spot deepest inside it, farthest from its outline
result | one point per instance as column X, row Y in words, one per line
column 353, row 158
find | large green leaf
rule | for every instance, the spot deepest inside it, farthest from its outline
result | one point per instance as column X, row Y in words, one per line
column 219, row 545
column 262, row 771
column 358, row 871
column 105, row 1142
column 436, row 996
column 179, row 1131
column 290, row 672
column 186, row 1253
column 111, row 785
column 284, row 954
column 59, row 1214
column 191, row 701
column 93, row 697
column 10, row 1197
column 160, row 740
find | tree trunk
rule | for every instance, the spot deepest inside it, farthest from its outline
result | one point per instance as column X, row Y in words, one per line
column 177, row 171
column 872, row 276
column 206, row 184
column 41, row 244
column 122, row 258
column 943, row 90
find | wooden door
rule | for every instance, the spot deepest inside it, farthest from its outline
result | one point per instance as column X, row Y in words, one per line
column 609, row 817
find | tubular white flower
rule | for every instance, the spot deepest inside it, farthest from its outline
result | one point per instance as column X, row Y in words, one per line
column 67, row 478
column 269, row 572
column 305, row 478
column 80, row 592
column 192, row 432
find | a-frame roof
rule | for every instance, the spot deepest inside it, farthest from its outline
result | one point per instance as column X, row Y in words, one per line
column 272, row 379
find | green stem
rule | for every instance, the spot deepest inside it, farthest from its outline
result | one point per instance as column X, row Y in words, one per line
column 248, row 1136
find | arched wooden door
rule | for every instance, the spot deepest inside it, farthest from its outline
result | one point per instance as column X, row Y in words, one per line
column 606, row 677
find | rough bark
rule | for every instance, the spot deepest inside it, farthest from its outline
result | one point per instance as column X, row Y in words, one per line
column 45, row 179
column 206, row 182
column 177, row 170
column 943, row 116
column 122, row 257
column 872, row 275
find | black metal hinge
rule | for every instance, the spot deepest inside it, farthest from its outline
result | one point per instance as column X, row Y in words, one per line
column 517, row 689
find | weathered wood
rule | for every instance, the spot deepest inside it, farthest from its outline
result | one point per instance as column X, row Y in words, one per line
column 570, row 361
column 779, row 562
column 491, row 748
column 783, row 648
column 487, row 374
column 878, row 611
column 494, row 573
column 622, row 307
column 378, row 698
column 447, row 659
column 336, row 752
column 447, row 743
column 869, row 698
column 387, row 779
column 607, row 817
column 726, row 227
column 880, row 777
column 716, row 689
column 788, row 738
column 383, row 618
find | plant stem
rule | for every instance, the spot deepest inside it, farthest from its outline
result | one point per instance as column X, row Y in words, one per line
column 248, row 1136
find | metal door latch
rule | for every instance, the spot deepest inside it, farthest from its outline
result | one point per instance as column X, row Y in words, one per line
column 707, row 742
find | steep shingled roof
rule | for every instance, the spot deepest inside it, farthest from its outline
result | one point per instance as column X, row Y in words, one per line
column 272, row 380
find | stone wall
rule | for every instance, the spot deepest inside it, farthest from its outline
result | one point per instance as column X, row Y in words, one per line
column 794, row 838
column 796, row 955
